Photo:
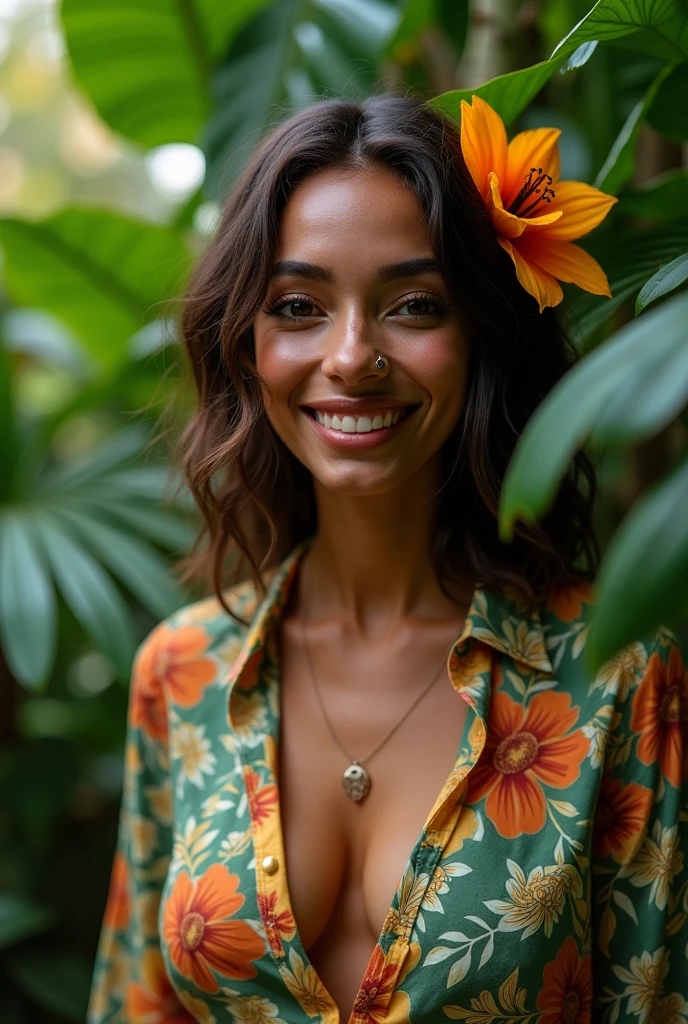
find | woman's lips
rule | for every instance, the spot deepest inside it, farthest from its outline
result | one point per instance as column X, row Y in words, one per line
column 355, row 441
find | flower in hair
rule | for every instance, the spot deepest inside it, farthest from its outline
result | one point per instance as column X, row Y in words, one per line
column 535, row 215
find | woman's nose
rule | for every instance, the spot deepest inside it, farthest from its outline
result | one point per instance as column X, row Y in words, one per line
column 349, row 352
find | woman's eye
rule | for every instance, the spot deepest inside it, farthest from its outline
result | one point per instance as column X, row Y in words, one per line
column 292, row 309
column 420, row 306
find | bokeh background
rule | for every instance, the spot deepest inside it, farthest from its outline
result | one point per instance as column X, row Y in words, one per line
column 122, row 127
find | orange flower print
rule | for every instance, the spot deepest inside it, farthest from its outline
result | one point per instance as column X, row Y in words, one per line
column 376, row 990
column 277, row 923
column 118, row 903
column 620, row 819
column 660, row 715
column 200, row 937
column 566, row 994
column 524, row 748
column 153, row 1000
column 567, row 601
column 262, row 800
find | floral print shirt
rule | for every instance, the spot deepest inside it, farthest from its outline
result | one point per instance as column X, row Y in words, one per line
column 549, row 884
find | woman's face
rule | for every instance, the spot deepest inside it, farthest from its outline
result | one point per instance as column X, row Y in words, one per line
column 354, row 276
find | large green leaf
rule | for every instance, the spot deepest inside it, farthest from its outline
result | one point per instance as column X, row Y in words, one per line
column 648, row 559
column 661, row 199
column 142, row 571
column 90, row 593
column 27, row 602
column 290, row 55
column 666, row 280
column 507, row 94
column 630, row 258
column 8, row 425
column 619, row 166
column 668, row 114
column 626, row 389
column 105, row 275
column 616, row 19
column 147, row 66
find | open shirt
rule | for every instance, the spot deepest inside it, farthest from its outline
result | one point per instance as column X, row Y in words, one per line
column 549, row 883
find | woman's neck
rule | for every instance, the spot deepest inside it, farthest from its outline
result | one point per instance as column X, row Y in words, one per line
column 372, row 559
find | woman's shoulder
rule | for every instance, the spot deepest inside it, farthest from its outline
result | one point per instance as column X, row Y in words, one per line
column 202, row 629
column 567, row 618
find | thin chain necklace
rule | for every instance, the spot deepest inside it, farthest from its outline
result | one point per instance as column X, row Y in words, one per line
column 356, row 779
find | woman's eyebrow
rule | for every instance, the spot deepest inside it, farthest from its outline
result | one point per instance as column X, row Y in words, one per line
column 389, row 272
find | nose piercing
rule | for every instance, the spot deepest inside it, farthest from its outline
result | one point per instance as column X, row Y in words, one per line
column 380, row 362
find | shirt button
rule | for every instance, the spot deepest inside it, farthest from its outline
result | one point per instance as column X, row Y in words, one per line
column 270, row 865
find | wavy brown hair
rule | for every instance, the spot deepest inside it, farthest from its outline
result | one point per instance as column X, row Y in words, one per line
column 257, row 500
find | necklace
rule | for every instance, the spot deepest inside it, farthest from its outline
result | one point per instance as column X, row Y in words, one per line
column 356, row 779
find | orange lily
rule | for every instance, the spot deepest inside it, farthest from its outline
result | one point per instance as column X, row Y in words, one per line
column 534, row 221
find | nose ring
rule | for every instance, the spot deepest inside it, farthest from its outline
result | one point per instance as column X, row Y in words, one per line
column 380, row 362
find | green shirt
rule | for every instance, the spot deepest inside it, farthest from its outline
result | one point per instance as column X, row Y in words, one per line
column 548, row 884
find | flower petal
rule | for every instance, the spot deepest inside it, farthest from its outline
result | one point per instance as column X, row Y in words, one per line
column 508, row 224
column 584, row 208
column 541, row 285
column 537, row 147
column 516, row 805
column 483, row 142
column 566, row 262
column 550, row 715
column 558, row 762
column 216, row 894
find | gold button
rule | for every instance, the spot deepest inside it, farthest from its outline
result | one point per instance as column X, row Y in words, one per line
column 270, row 865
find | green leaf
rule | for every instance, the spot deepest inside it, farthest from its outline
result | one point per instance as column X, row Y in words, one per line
column 450, row 16
column 134, row 563
column 27, row 603
column 147, row 67
column 587, row 402
column 287, row 57
column 661, row 199
column 20, row 918
column 57, row 981
column 667, row 113
column 103, row 274
column 664, row 281
column 121, row 448
column 613, row 19
column 648, row 558
column 90, row 594
column 619, row 166
column 507, row 94
column 9, row 447
column 629, row 258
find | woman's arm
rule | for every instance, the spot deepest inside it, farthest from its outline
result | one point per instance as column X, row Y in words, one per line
column 640, row 847
column 129, row 980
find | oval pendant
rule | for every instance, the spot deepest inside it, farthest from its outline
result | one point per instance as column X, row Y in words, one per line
column 356, row 781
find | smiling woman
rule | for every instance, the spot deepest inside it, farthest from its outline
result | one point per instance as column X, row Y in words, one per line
column 314, row 829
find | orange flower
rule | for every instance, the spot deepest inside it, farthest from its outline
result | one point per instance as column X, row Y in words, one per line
column 620, row 819
column 154, row 1001
column 118, row 903
column 660, row 714
column 523, row 749
column 534, row 221
column 567, row 601
column 376, row 990
column 277, row 923
column 199, row 936
column 566, row 994
column 170, row 664
column 262, row 800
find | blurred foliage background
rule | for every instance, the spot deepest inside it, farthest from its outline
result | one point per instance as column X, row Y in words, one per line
column 122, row 127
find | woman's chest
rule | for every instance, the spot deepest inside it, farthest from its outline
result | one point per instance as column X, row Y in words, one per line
column 267, row 864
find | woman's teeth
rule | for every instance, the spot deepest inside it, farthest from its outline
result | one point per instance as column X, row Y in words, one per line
column 357, row 424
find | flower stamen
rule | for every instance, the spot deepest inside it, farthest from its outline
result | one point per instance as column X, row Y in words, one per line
column 530, row 188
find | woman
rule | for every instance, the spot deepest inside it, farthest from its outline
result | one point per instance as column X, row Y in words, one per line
column 373, row 781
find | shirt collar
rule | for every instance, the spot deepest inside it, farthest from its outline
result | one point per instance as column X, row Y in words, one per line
column 496, row 617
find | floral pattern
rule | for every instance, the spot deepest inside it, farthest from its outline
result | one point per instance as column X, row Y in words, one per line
column 549, row 884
